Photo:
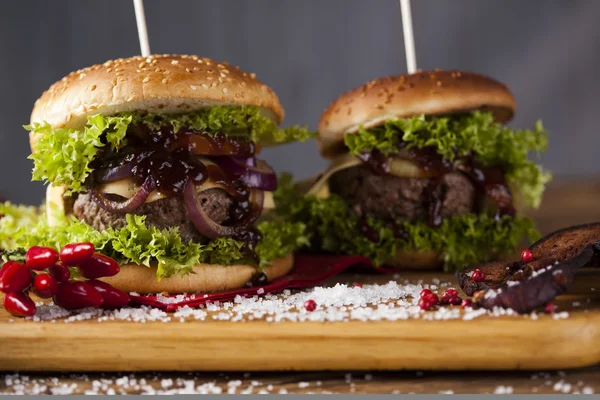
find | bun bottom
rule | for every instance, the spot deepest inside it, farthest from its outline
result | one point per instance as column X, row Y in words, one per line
column 206, row 278
column 416, row 260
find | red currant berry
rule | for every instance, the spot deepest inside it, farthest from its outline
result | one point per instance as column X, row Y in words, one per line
column 76, row 295
column 426, row 303
column 431, row 298
column 466, row 303
column 45, row 286
column 74, row 254
column 98, row 266
column 456, row 301
column 425, row 292
column 478, row 276
column 448, row 295
column 39, row 258
column 113, row 298
column 310, row 305
column 19, row 304
column 550, row 308
column 60, row 273
column 16, row 277
column 527, row 255
column 358, row 285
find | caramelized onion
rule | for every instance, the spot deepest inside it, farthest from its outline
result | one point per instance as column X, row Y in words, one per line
column 113, row 174
column 255, row 173
column 128, row 205
column 203, row 223
column 215, row 146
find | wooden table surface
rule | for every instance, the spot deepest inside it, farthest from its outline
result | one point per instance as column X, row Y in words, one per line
column 565, row 204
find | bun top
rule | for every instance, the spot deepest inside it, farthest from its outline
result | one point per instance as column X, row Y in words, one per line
column 158, row 83
column 402, row 96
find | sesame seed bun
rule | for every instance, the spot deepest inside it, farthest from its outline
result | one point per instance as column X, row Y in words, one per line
column 158, row 83
column 403, row 96
column 207, row 278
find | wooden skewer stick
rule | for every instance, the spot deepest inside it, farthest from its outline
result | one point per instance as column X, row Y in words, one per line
column 140, row 20
column 409, row 38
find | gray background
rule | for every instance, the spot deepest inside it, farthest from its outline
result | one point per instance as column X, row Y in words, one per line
column 310, row 51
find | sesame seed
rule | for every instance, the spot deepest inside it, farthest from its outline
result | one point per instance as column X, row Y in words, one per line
column 225, row 90
column 205, row 86
column 93, row 88
column 130, row 99
column 165, row 80
column 167, row 73
column 192, row 87
column 146, row 79
column 109, row 70
column 142, row 65
column 209, row 78
column 174, row 62
column 187, row 70
column 119, row 74
column 252, row 75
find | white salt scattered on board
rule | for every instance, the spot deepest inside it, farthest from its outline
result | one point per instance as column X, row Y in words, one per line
column 392, row 301
column 503, row 390
column 105, row 384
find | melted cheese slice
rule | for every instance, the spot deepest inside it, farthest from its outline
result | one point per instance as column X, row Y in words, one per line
column 319, row 186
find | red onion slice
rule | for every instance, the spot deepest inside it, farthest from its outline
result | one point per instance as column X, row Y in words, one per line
column 209, row 228
column 256, row 174
column 260, row 177
column 203, row 223
column 114, row 174
column 128, row 205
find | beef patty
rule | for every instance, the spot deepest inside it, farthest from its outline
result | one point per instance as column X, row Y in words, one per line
column 163, row 213
column 390, row 197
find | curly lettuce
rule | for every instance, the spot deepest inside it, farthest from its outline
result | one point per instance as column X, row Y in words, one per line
column 461, row 240
column 146, row 245
column 62, row 156
column 12, row 218
column 230, row 120
column 458, row 136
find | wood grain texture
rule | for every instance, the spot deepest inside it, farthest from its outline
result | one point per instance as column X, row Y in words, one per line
column 485, row 343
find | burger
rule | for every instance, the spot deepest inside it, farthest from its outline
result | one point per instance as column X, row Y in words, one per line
column 423, row 173
column 155, row 160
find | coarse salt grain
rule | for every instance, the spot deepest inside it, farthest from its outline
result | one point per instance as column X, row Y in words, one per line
column 503, row 390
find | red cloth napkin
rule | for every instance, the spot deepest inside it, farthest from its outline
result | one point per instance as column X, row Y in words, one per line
column 309, row 270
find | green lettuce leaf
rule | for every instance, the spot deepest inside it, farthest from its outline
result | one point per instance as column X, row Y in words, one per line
column 62, row 156
column 12, row 218
column 462, row 240
column 457, row 136
column 145, row 245
column 230, row 120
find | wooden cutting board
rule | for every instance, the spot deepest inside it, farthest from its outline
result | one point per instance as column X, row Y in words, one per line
column 485, row 343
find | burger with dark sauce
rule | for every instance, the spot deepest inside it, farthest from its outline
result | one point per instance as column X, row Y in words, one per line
column 423, row 173
column 156, row 161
